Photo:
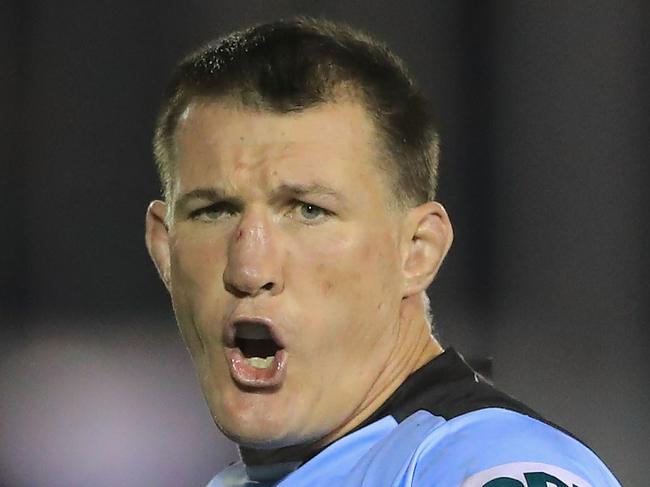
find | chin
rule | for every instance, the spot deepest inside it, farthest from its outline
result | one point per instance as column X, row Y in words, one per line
column 261, row 441
column 258, row 437
column 256, row 423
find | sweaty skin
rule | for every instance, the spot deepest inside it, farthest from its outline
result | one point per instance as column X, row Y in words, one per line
column 288, row 217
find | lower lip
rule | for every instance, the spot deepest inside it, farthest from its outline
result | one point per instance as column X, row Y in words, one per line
column 246, row 375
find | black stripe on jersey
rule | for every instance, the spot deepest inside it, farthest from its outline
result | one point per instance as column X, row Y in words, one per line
column 447, row 387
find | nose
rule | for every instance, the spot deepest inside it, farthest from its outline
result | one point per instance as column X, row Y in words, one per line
column 253, row 265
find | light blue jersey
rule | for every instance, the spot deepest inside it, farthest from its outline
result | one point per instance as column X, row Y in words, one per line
column 444, row 427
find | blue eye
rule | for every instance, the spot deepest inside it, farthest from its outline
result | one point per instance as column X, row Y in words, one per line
column 311, row 212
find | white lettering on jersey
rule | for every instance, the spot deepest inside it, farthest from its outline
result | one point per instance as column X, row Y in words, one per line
column 525, row 474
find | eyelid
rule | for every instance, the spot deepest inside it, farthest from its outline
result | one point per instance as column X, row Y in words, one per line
column 226, row 208
column 221, row 206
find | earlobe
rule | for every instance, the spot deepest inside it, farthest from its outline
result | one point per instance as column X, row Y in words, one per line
column 157, row 239
column 430, row 236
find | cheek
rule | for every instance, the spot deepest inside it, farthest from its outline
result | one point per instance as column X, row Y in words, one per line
column 197, row 261
column 368, row 265
column 198, row 300
column 350, row 275
column 197, row 277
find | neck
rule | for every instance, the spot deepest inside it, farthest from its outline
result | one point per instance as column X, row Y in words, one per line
column 414, row 347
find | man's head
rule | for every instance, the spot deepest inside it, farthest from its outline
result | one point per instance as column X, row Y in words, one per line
column 295, row 257
column 287, row 67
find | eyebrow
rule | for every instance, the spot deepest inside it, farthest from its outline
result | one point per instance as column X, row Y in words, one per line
column 295, row 189
column 298, row 190
column 207, row 193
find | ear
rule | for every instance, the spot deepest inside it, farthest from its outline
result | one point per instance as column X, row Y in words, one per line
column 426, row 241
column 157, row 239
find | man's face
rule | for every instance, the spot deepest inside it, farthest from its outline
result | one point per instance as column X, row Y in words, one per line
column 282, row 246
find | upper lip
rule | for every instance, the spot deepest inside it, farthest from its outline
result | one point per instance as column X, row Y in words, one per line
column 230, row 330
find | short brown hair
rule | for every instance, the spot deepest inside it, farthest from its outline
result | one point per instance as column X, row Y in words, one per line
column 289, row 66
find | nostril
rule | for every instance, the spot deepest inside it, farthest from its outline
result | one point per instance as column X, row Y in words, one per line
column 235, row 291
column 268, row 286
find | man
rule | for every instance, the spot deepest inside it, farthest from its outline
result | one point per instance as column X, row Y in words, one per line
column 297, row 238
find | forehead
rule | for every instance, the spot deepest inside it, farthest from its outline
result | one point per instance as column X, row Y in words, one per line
column 315, row 123
column 333, row 139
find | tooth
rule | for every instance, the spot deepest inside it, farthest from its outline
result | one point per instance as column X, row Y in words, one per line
column 260, row 363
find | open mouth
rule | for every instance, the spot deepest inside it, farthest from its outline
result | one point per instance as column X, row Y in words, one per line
column 256, row 343
column 256, row 355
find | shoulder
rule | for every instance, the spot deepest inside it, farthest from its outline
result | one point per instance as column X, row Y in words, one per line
column 490, row 447
column 232, row 476
column 495, row 447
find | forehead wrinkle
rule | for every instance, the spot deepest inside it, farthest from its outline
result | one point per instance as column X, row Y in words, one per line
column 254, row 155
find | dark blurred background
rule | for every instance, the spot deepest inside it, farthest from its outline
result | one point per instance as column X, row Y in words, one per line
column 544, row 111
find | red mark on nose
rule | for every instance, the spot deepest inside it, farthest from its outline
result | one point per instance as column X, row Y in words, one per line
column 240, row 234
